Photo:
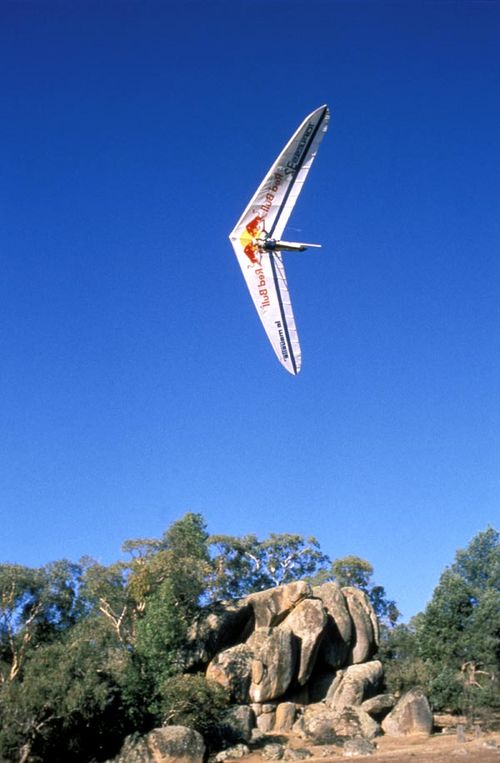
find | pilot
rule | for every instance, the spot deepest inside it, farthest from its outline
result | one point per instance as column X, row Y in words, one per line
column 270, row 244
column 265, row 243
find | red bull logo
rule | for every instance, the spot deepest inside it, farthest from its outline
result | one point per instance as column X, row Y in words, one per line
column 248, row 239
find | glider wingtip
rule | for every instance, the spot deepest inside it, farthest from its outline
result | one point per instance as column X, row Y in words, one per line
column 293, row 370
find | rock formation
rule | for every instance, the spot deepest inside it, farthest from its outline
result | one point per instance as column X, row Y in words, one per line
column 295, row 660
column 295, row 643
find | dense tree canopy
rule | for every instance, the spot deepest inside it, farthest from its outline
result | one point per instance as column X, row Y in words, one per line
column 35, row 605
column 90, row 646
column 459, row 633
column 68, row 686
column 244, row 565
column 404, row 668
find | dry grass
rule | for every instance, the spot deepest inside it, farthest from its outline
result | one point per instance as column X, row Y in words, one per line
column 437, row 748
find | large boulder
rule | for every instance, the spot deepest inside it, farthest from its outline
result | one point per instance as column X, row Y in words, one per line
column 272, row 606
column 219, row 626
column 273, row 663
column 266, row 719
column 273, row 751
column 293, row 644
column 354, row 684
column 316, row 725
column 307, row 623
column 354, row 722
column 322, row 725
column 358, row 747
column 364, row 642
column 379, row 706
column 171, row 744
column 336, row 645
column 237, row 724
column 286, row 713
column 412, row 715
column 232, row 668
column 365, row 602
column 232, row 753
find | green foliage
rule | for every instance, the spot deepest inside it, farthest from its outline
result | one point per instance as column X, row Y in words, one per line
column 444, row 688
column 403, row 667
column 479, row 564
column 352, row 571
column 160, row 635
column 60, row 678
column 68, row 687
column 191, row 700
column 35, row 606
column 106, row 593
column 181, row 556
column 443, row 631
column 168, row 580
column 245, row 564
column 186, row 542
column 459, row 632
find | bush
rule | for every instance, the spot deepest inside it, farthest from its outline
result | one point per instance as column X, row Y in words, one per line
column 67, row 689
column 403, row 668
column 191, row 700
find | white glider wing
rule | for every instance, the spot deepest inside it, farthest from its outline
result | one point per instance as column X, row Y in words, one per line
column 267, row 214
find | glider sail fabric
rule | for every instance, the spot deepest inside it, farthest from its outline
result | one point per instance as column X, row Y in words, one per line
column 267, row 214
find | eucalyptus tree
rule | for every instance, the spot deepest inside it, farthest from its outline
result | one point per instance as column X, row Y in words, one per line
column 245, row 564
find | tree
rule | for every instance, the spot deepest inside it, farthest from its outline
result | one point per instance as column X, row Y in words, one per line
column 246, row 564
column 459, row 632
column 121, row 591
column 479, row 564
column 69, row 686
column 36, row 604
column 161, row 632
column 352, row 571
column 403, row 666
column 56, row 666
column 89, row 646
column 167, row 580
column 107, row 594
column 181, row 556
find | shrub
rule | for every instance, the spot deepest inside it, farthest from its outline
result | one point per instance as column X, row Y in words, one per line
column 193, row 701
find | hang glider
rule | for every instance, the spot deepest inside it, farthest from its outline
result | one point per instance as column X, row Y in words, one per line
column 256, row 238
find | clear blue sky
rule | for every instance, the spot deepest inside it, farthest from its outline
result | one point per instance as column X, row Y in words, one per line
column 136, row 382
